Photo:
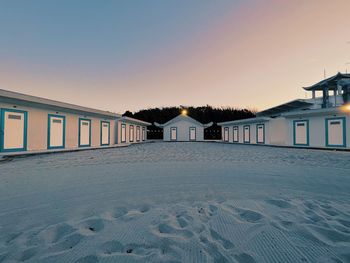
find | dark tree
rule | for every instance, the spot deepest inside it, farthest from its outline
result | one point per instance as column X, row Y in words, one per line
column 203, row 114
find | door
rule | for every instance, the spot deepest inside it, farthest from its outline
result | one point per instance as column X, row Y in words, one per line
column 123, row 133
column 138, row 133
column 246, row 134
column 226, row 133
column 235, row 134
column 56, row 131
column 143, row 133
column 260, row 133
column 105, row 128
column 335, row 132
column 131, row 133
column 192, row 133
column 13, row 130
column 84, row 132
column 301, row 132
column 173, row 133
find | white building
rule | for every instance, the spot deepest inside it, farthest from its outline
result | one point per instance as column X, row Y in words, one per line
column 132, row 130
column 183, row 128
column 320, row 122
column 29, row 123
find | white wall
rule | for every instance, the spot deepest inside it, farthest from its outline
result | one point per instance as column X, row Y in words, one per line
column 317, row 130
column 279, row 131
column 183, row 131
column 37, row 123
column 127, row 125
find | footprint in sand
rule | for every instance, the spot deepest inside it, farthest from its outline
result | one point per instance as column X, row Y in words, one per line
column 115, row 214
column 28, row 254
column 213, row 210
column 111, row 247
column 144, row 208
column 245, row 258
column 88, row 259
column 68, row 242
column 227, row 244
column 345, row 223
column 12, row 237
column 182, row 222
column 2, row 257
column 92, row 226
column 279, row 203
column 249, row 215
column 330, row 234
column 213, row 250
column 56, row 232
column 164, row 228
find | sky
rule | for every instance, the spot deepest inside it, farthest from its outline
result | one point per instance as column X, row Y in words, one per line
column 120, row 55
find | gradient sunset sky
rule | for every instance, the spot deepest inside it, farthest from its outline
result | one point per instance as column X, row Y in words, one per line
column 122, row 55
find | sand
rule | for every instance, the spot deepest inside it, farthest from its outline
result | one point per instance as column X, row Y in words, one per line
column 177, row 202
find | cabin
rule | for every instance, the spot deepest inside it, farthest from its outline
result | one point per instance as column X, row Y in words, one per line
column 183, row 128
column 320, row 122
column 30, row 123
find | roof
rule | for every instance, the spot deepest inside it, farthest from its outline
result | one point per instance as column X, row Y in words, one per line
column 331, row 82
column 322, row 111
column 183, row 117
column 134, row 121
column 245, row 121
column 28, row 100
column 289, row 106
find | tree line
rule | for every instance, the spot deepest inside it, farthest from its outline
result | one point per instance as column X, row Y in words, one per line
column 203, row 114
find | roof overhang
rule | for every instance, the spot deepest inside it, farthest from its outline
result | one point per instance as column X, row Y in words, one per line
column 182, row 117
column 330, row 83
column 134, row 121
column 315, row 112
column 245, row 121
column 11, row 97
column 286, row 107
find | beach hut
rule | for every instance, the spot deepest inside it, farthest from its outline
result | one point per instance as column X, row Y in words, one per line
column 131, row 130
column 320, row 122
column 30, row 123
column 183, row 128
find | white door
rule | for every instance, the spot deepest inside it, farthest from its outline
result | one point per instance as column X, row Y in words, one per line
column 173, row 133
column 138, row 133
column 105, row 133
column 123, row 133
column 226, row 131
column 84, row 132
column 143, row 133
column 260, row 133
column 235, row 134
column 335, row 128
column 14, row 130
column 246, row 133
column 301, row 133
column 56, row 131
column 131, row 133
column 192, row 134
